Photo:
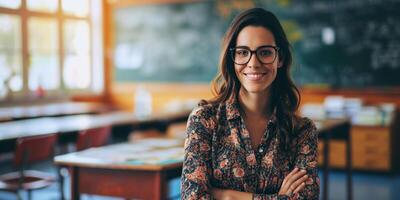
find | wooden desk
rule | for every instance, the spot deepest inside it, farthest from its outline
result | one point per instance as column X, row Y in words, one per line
column 335, row 129
column 128, row 170
column 50, row 110
column 10, row 131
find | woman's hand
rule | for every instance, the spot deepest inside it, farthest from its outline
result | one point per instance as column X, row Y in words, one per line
column 293, row 182
column 220, row 194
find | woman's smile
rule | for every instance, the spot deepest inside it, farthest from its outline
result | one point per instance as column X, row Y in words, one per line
column 255, row 76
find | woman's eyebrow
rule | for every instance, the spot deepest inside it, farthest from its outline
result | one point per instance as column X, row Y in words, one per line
column 246, row 47
column 243, row 47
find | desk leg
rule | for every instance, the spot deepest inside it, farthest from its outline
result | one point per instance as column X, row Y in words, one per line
column 349, row 172
column 326, row 167
column 74, row 183
column 160, row 186
column 162, row 179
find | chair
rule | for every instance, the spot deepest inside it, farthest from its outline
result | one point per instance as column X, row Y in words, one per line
column 93, row 137
column 29, row 150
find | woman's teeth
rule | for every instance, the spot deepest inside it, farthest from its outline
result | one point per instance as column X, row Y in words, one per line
column 254, row 76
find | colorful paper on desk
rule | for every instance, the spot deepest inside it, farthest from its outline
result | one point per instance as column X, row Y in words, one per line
column 149, row 151
column 158, row 157
column 113, row 153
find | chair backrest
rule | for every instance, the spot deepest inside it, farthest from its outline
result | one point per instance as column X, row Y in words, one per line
column 93, row 137
column 34, row 149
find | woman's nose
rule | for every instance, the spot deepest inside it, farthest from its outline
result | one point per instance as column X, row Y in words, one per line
column 254, row 62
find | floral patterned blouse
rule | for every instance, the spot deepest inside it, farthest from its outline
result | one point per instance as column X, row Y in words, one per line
column 219, row 154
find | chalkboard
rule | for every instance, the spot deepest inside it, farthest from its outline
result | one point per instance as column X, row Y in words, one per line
column 341, row 43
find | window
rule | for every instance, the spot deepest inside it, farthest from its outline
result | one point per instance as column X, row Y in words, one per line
column 50, row 48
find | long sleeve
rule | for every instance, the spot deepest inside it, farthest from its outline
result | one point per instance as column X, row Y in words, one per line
column 196, row 173
column 305, row 158
column 307, row 153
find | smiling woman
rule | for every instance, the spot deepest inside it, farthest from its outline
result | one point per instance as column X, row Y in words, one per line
column 247, row 142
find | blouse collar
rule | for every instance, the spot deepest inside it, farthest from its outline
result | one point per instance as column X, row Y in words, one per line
column 233, row 110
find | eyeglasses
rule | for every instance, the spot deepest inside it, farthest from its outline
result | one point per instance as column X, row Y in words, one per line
column 265, row 54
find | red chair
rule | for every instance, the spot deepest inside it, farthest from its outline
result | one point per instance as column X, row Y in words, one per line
column 88, row 138
column 93, row 137
column 29, row 150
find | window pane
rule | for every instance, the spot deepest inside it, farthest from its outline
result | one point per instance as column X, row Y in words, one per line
column 10, row 54
column 76, row 7
column 43, row 51
column 77, row 54
column 43, row 5
column 10, row 3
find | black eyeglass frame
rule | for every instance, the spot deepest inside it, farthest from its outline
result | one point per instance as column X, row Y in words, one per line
column 232, row 52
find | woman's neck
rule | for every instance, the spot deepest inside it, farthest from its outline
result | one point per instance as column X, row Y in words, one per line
column 255, row 104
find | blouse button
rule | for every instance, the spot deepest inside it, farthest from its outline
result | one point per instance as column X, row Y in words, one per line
column 261, row 150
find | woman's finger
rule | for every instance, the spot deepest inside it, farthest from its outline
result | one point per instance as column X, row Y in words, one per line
column 296, row 183
column 299, row 188
column 289, row 175
column 287, row 186
column 296, row 176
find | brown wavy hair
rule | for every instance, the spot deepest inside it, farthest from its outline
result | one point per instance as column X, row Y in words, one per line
column 285, row 96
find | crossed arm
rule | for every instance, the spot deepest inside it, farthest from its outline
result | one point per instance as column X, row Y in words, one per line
column 293, row 183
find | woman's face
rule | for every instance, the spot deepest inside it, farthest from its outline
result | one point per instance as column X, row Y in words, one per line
column 256, row 77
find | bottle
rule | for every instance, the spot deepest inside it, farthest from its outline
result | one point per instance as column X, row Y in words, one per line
column 142, row 102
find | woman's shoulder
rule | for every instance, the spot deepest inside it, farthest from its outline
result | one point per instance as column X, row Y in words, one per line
column 204, row 115
column 304, row 126
column 204, row 110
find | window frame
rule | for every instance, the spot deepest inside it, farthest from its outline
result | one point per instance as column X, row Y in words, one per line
column 25, row 95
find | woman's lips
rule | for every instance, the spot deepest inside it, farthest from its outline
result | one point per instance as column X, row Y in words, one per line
column 254, row 76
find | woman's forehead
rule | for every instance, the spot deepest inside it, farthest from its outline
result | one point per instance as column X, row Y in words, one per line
column 255, row 36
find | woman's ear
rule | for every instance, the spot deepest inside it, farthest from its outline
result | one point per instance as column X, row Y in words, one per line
column 280, row 63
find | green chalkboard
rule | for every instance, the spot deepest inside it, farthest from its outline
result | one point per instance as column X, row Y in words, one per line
column 343, row 43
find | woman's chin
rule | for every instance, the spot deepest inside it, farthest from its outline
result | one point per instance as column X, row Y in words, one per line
column 256, row 90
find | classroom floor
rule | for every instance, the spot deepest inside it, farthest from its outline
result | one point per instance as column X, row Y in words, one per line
column 366, row 186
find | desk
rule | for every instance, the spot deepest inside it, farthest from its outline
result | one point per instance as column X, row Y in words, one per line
column 335, row 129
column 130, row 170
column 10, row 131
column 50, row 110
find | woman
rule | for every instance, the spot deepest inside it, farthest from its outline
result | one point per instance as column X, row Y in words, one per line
column 248, row 143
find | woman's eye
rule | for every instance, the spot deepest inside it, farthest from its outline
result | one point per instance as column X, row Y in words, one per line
column 242, row 53
column 265, row 52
